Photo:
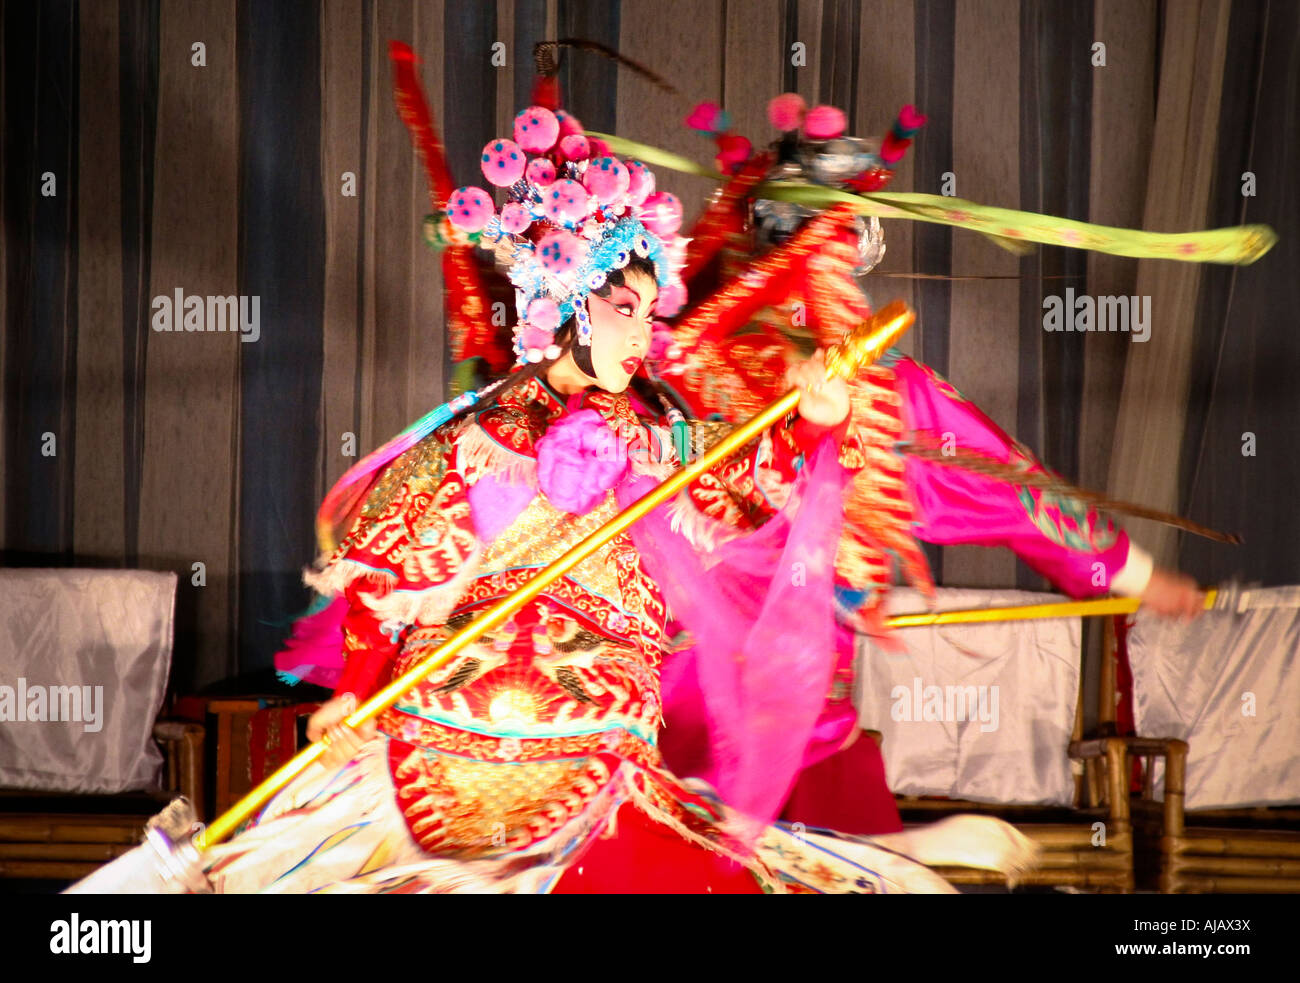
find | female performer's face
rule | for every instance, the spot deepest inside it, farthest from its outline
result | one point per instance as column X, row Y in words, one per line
column 621, row 325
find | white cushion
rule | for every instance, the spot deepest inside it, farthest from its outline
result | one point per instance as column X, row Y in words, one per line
column 1229, row 685
column 1004, row 693
column 89, row 652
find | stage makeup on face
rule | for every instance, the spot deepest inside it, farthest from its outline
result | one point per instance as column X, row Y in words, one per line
column 621, row 325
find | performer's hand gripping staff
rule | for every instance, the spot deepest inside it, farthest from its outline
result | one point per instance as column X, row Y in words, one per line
column 169, row 858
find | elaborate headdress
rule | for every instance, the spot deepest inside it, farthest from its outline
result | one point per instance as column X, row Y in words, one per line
column 573, row 212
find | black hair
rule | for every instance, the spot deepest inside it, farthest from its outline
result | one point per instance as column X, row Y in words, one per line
column 566, row 338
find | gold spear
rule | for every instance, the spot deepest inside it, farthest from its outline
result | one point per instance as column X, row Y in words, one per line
column 1025, row 612
column 862, row 346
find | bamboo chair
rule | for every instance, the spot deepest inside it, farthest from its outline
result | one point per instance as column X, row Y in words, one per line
column 1247, row 850
column 1088, row 846
column 45, row 836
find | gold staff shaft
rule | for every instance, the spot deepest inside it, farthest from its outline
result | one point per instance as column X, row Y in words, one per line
column 1053, row 609
column 861, row 347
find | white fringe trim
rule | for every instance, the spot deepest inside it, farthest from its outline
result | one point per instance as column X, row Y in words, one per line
column 701, row 531
column 478, row 454
column 432, row 605
column 429, row 606
column 750, row 861
column 659, row 470
column 773, row 486
column 334, row 579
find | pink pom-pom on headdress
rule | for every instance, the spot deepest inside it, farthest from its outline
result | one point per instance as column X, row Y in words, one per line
column 535, row 338
column 661, row 213
column 565, row 201
column 606, row 178
column 536, row 129
column 515, row 218
column 561, row 252
column 786, row 111
column 568, row 123
column 503, row 162
column 470, row 208
column 544, row 313
column 575, row 147
column 671, row 299
column 540, row 172
column 824, row 123
column 640, row 182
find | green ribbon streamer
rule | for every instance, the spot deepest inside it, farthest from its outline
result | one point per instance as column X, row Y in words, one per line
column 656, row 157
column 1010, row 229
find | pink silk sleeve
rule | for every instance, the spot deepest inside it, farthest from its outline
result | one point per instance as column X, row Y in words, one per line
column 1077, row 549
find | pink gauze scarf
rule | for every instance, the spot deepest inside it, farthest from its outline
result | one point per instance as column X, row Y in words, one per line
column 760, row 612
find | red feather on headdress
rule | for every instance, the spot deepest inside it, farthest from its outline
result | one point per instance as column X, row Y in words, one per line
column 467, row 303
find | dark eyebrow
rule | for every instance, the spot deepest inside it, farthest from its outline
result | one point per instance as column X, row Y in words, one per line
column 632, row 292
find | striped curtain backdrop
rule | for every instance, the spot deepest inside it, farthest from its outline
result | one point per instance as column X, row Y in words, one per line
column 237, row 148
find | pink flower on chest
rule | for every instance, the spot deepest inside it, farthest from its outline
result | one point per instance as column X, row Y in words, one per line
column 579, row 460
